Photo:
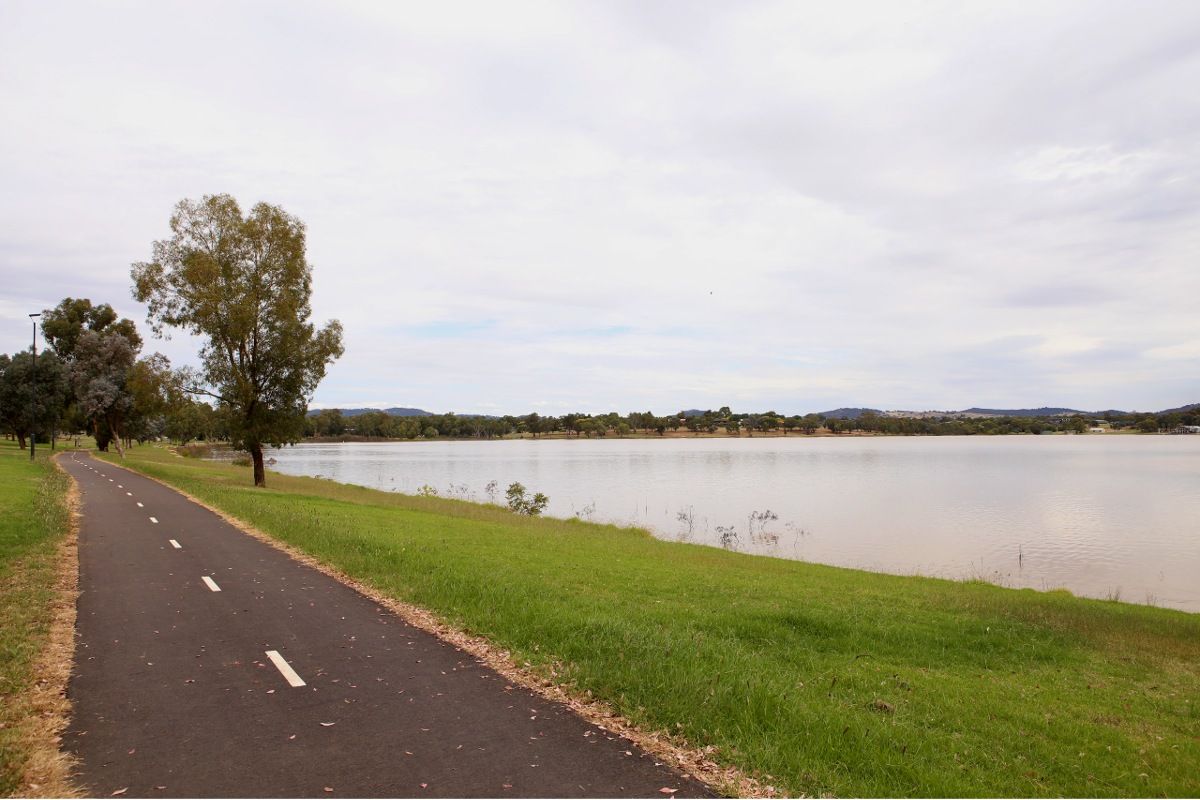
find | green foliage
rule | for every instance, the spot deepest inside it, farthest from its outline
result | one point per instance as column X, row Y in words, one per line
column 65, row 323
column 518, row 503
column 100, row 372
column 243, row 283
column 830, row 681
column 28, row 404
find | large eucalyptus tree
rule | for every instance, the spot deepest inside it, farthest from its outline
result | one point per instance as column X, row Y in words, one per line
column 243, row 284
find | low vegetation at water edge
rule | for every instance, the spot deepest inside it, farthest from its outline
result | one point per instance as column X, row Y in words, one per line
column 817, row 679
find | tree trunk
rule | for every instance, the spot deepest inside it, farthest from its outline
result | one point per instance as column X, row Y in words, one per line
column 21, row 440
column 117, row 441
column 260, row 472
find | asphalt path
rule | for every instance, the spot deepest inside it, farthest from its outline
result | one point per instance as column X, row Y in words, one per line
column 209, row 664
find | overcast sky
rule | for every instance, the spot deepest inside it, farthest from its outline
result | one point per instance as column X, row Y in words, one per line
column 645, row 205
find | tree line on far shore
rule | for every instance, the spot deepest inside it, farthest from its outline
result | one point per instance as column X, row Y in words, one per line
column 332, row 424
column 92, row 379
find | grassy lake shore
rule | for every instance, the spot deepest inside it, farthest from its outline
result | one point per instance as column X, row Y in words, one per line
column 816, row 679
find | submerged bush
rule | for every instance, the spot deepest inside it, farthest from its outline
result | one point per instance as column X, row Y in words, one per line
column 520, row 504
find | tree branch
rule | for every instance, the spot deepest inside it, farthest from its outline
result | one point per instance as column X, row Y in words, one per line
column 198, row 390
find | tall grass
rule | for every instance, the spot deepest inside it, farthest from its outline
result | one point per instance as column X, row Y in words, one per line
column 826, row 680
column 33, row 519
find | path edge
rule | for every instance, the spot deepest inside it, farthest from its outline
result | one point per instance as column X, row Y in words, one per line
column 48, row 771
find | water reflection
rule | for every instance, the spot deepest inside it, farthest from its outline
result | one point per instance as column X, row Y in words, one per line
column 1096, row 515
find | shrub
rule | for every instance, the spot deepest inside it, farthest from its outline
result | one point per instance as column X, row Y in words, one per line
column 520, row 504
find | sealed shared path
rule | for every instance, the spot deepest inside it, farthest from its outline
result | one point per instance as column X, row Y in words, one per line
column 209, row 664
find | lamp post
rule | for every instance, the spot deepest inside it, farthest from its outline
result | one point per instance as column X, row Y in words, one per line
column 33, row 390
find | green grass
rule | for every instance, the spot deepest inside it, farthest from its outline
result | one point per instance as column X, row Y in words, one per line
column 33, row 518
column 827, row 680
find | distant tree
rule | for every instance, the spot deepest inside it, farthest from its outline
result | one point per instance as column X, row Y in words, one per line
column 63, row 328
column 570, row 423
column 150, row 384
column 767, row 422
column 1077, row 425
column 810, row 423
column 532, row 423
column 244, row 284
column 1148, row 424
column 188, row 419
column 65, row 323
column 27, row 405
column 330, row 422
column 100, row 373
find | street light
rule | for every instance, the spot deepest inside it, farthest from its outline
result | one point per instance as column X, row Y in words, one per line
column 33, row 390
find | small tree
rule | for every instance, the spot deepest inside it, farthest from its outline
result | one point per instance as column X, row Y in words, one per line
column 243, row 283
column 520, row 504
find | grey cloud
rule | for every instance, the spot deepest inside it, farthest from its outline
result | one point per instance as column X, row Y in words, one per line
column 796, row 206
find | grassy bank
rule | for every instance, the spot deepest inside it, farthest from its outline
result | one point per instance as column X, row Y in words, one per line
column 828, row 680
column 33, row 521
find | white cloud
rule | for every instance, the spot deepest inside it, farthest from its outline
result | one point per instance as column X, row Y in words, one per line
column 662, row 205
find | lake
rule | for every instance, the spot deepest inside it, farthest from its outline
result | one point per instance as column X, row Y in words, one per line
column 1101, row 515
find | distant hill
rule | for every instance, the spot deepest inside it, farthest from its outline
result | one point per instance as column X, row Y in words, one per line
column 395, row 412
column 1182, row 409
column 1024, row 412
column 840, row 413
column 847, row 413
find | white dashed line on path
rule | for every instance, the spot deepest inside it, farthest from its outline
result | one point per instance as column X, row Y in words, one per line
column 130, row 494
column 283, row 666
column 154, row 520
column 140, row 505
column 175, row 544
column 210, row 583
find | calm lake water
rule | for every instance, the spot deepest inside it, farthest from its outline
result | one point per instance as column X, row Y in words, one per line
column 1099, row 515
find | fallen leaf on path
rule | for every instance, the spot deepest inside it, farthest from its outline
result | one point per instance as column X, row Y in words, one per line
column 327, row 724
column 668, row 790
column 119, row 791
column 293, row 736
column 329, row 788
column 132, row 750
column 424, row 785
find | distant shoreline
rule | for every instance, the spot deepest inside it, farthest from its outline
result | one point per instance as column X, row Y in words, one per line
column 350, row 438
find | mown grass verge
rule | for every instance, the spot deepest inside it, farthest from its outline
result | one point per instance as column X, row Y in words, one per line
column 34, row 521
column 818, row 679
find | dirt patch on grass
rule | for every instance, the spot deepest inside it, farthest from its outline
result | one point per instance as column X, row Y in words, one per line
column 697, row 762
